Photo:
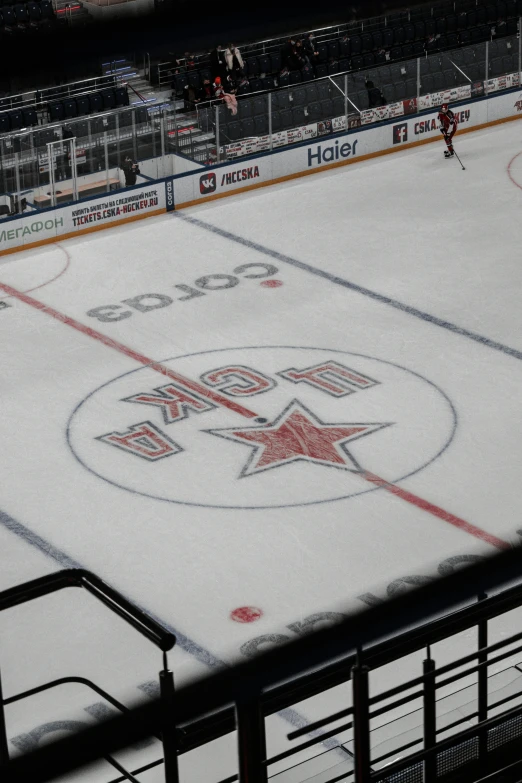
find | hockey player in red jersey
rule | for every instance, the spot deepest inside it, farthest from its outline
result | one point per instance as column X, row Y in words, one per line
column 448, row 126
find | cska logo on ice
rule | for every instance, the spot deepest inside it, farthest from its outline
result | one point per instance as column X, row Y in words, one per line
column 261, row 427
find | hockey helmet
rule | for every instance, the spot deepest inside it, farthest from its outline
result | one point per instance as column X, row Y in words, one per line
column 444, row 107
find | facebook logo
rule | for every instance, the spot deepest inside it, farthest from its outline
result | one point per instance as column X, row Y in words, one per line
column 400, row 133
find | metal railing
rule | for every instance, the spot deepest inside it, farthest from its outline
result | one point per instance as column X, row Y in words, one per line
column 127, row 611
column 351, row 650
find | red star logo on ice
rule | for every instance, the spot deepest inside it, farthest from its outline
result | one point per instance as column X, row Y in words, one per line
column 298, row 435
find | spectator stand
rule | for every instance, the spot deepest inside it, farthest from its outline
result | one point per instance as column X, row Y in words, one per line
column 26, row 17
column 267, row 119
column 359, row 45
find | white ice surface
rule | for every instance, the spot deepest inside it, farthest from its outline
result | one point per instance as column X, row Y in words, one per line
column 412, row 227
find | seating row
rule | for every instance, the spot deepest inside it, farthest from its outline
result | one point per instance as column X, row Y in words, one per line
column 471, row 24
column 90, row 103
column 24, row 14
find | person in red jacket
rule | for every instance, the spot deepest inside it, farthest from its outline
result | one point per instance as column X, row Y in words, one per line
column 448, row 126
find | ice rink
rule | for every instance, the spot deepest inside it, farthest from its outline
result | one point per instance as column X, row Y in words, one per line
column 251, row 415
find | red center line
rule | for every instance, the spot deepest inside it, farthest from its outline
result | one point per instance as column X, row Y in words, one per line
column 202, row 391
column 438, row 512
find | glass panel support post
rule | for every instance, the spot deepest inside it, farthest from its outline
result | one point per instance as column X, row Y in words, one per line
column 218, row 153
column 269, row 99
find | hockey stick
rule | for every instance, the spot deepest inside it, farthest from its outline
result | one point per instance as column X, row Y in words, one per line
column 459, row 160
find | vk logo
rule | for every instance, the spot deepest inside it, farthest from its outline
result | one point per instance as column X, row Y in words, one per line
column 207, row 183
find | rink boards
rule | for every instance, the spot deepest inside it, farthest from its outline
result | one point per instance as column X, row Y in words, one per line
column 194, row 187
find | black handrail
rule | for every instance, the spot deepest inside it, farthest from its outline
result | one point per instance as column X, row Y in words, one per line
column 247, row 680
column 115, row 601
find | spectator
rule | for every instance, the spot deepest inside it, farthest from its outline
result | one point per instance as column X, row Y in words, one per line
column 235, row 64
column 375, row 96
column 218, row 63
column 191, row 96
column 67, row 132
column 289, row 57
column 218, row 88
column 228, row 98
column 207, row 92
column 311, row 48
column 131, row 170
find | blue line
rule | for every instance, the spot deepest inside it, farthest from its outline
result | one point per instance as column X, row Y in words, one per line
column 200, row 653
column 352, row 286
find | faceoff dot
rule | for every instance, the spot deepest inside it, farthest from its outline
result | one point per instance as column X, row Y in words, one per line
column 246, row 614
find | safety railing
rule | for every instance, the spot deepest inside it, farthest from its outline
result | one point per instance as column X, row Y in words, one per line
column 127, row 611
column 351, row 650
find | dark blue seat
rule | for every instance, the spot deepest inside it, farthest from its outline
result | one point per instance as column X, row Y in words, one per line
column 345, row 49
column 299, row 116
column 256, row 85
column 398, row 36
column 355, row 44
column 122, row 96
column 387, row 38
column 327, row 108
column 21, row 13
column 338, row 106
column 409, row 33
column 234, row 131
column 9, row 17
column 420, row 31
column 377, row 39
column 247, row 127
column 333, row 50
column 294, row 77
column 440, row 25
column 430, row 26
column 298, row 97
column 109, row 99
column 366, row 42
column 261, row 125
column 5, row 125
column 30, row 118
column 276, row 122
column 56, row 112
column 311, row 93
column 83, row 105
column 47, row 9
column 323, row 91
column 265, row 64
column 286, row 119
column 96, row 102
column 70, row 108
column 34, row 12
column 321, row 71
column 368, row 60
column 244, row 109
column 314, row 112
column 260, row 106
column 16, row 119
column 275, row 62
column 252, row 66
